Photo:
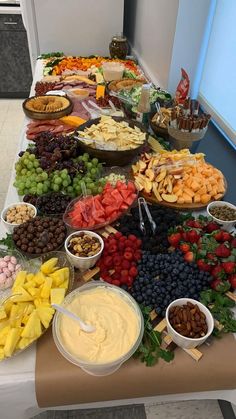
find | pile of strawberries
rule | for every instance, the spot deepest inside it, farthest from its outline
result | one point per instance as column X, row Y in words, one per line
column 213, row 249
column 118, row 264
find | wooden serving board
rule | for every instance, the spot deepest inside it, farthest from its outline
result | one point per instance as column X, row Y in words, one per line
column 158, row 323
column 180, row 207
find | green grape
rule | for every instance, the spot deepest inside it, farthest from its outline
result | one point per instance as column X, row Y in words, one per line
column 89, row 192
column 100, row 189
column 44, row 175
column 58, row 181
column 63, row 175
column 95, row 162
column 94, row 171
column 45, row 188
column 90, row 185
column 55, row 188
column 23, row 172
column 33, row 190
column 88, row 180
column 85, row 158
column 65, row 183
column 70, row 189
column 89, row 165
column 78, row 189
column 36, row 164
column 32, row 157
column 80, row 158
column 26, row 161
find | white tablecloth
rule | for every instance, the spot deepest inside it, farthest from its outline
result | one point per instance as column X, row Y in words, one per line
column 17, row 375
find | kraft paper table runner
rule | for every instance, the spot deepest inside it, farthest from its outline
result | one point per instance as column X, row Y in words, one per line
column 59, row 383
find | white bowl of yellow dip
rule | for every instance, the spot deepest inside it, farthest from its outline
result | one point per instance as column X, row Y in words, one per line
column 119, row 328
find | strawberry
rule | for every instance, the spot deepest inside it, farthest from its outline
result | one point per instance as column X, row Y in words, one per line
column 218, row 236
column 203, row 266
column 211, row 256
column 193, row 224
column 232, row 280
column 193, row 236
column 189, row 256
column 184, row 235
column 184, row 247
column 218, row 272
column 174, row 239
column 226, row 237
column 233, row 243
column 215, row 283
column 222, row 251
column 229, row 267
column 210, row 227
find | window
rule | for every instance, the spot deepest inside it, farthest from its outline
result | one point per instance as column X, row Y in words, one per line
column 217, row 91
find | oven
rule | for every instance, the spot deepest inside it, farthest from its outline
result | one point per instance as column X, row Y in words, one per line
column 15, row 68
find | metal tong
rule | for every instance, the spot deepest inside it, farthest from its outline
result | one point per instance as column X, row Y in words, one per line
column 142, row 201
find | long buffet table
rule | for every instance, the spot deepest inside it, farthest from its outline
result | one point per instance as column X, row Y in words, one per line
column 213, row 377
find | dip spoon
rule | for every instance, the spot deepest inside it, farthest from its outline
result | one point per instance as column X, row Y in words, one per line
column 85, row 327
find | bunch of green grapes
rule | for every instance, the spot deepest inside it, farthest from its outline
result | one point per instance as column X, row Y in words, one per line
column 30, row 177
column 89, row 172
column 60, row 181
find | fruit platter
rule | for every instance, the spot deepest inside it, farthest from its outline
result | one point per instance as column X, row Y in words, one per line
column 179, row 180
column 146, row 230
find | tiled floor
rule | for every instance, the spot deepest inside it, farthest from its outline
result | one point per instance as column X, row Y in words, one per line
column 11, row 119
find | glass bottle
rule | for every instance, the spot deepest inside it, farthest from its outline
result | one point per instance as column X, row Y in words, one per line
column 119, row 47
column 144, row 107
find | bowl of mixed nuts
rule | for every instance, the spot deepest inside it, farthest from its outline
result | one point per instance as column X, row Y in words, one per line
column 189, row 322
column 83, row 249
column 224, row 213
column 16, row 214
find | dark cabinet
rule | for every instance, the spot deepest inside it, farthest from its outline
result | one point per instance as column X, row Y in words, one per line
column 15, row 68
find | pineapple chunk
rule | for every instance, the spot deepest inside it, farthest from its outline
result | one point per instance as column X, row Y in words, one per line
column 33, row 291
column 20, row 279
column 30, row 277
column 3, row 313
column 3, row 334
column 33, row 327
column 11, row 341
column 57, row 295
column 49, row 266
column 60, row 276
column 7, row 306
column 45, row 314
column 23, row 295
column 45, row 291
column 24, row 342
column 64, row 284
column 39, row 278
column 2, row 356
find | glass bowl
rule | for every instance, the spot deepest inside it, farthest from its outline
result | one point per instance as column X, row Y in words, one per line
column 51, row 214
column 20, row 260
column 32, row 266
column 98, row 369
column 44, row 237
column 86, row 213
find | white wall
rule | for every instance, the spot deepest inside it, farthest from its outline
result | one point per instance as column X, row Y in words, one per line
column 189, row 33
column 150, row 27
column 167, row 35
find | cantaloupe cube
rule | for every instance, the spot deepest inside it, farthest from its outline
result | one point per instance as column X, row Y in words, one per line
column 197, row 199
column 205, row 198
column 187, row 198
column 180, row 200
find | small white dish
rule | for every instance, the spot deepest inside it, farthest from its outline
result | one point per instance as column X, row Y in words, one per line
column 183, row 341
column 83, row 263
column 226, row 225
column 10, row 226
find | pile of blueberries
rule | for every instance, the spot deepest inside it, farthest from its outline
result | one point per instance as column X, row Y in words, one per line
column 164, row 219
column 165, row 277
